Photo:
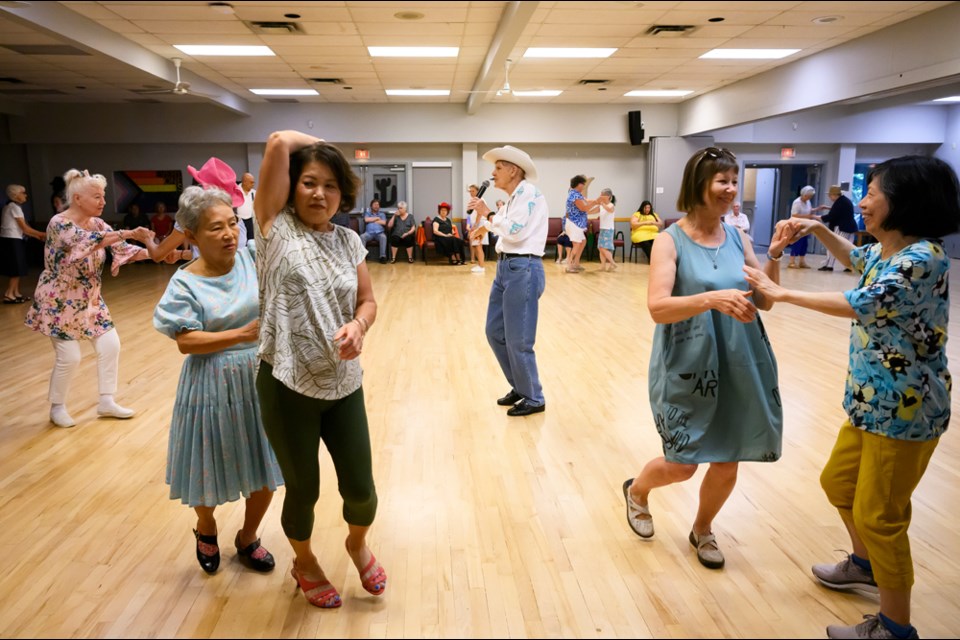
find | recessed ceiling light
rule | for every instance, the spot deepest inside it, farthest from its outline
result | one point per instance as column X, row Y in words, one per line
column 657, row 93
column 568, row 52
column 542, row 93
column 408, row 15
column 948, row 99
column 418, row 92
column 224, row 50
column 414, row 52
column 748, row 54
column 826, row 19
column 285, row 92
column 221, row 7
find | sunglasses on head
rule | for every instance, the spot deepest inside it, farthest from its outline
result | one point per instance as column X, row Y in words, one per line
column 716, row 153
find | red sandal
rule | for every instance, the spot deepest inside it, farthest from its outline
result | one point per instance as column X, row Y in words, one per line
column 373, row 578
column 320, row 594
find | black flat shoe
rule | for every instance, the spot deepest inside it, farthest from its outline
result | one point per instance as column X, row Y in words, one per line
column 510, row 399
column 255, row 556
column 524, row 408
column 209, row 563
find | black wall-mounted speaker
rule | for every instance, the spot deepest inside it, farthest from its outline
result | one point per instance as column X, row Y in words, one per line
column 635, row 122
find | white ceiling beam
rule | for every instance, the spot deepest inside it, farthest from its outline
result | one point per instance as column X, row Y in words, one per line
column 514, row 19
column 75, row 29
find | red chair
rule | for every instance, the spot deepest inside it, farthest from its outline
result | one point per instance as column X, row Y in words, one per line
column 428, row 242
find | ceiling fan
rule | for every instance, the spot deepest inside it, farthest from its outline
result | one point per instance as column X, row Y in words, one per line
column 505, row 90
column 181, row 88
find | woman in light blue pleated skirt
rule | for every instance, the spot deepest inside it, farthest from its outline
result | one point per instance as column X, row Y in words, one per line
column 217, row 451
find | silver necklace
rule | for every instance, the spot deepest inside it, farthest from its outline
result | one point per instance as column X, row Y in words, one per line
column 715, row 254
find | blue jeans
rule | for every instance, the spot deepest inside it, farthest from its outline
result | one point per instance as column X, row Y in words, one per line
column 512, row 323
column 379, row 237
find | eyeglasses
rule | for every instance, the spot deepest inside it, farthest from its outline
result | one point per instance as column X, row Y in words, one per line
column 715, row 153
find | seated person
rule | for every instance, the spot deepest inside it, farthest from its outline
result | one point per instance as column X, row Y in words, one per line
column 446, row 242
column 162, row 223
column 135, row 218
column 375, row 221
column 645, row 224
column 402, row 232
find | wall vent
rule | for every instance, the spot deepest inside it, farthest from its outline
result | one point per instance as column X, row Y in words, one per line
column 273, row 28
column 670, row 30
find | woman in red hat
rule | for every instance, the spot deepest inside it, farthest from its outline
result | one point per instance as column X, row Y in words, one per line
column 447, row 242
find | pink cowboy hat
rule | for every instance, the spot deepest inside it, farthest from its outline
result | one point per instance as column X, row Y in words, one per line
column 217, row 173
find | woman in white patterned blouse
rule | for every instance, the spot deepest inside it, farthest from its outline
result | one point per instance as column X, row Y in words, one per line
column 316, row 306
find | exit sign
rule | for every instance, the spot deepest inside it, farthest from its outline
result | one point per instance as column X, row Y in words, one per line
column 361, row 154
column 787, row 153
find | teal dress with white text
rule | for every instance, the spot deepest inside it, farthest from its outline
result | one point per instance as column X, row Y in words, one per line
column 713, row 381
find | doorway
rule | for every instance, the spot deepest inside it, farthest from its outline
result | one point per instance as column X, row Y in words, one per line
column 769, row 191
column 384, row 182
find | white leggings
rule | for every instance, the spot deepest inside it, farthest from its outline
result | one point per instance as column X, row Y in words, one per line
column 67, row 352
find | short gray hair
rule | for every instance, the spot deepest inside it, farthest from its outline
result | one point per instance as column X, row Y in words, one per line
column 402, row 203
column 77, row 180
column 808, row 191
column 194, row 201
column 14, row 189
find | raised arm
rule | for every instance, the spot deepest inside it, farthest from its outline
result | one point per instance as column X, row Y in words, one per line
column 275, row 175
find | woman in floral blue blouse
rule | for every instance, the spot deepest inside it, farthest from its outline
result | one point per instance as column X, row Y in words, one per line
column 897, row 395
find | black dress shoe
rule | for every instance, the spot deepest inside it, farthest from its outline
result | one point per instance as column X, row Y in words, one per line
column 510, row 399
column 524, row 408
column 255, row 556
column 825, row 268
column 209, row 563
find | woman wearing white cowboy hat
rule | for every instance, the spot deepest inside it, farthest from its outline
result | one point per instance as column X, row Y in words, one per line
column 521, row 225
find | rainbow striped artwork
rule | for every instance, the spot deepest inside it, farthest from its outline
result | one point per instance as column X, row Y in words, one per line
column 146, row 188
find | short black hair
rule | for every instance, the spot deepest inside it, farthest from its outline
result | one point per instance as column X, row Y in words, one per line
column 923, row 195
column 329, row 155
column 700, row 169
column 578, row 180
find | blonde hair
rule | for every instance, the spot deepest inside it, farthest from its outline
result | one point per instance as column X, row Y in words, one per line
column 77, row 180
column 14, row 189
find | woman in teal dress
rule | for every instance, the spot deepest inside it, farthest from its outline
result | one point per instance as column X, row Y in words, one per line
column 217, row 451
column 713, row 376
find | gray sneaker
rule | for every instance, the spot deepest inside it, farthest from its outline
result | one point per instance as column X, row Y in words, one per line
column 871, row 627
column 845, row 575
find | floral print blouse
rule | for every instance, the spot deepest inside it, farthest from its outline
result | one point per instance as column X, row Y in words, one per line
column 898, row 384
column 67, row 303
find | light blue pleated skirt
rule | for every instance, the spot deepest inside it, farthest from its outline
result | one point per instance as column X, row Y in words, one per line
column 218, row 451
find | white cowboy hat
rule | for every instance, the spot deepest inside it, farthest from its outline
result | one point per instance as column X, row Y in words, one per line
column 516, row 156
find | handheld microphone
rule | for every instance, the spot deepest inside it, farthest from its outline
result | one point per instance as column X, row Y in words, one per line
column 481, row 191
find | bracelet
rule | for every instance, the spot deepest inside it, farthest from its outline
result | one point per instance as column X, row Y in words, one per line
column 770, row 257
column 362, row 324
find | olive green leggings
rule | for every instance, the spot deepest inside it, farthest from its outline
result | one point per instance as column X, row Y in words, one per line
column 295, row 424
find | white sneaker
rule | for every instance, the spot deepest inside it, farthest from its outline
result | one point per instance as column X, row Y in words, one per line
column 113, row 410
column 60, row 417
column 477, row 269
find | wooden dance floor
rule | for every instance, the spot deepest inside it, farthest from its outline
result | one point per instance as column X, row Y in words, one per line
column 488, row 526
